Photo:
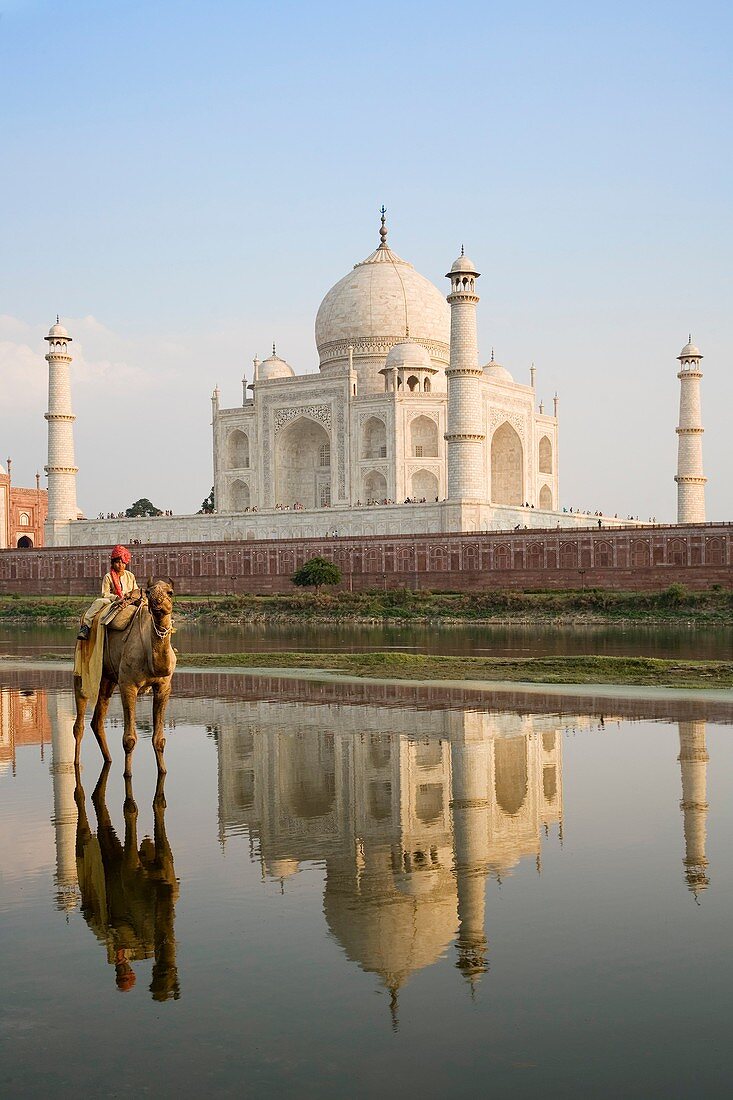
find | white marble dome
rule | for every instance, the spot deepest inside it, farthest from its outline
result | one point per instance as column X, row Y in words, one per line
column 58, row 330
column 463, row 265
column 374, row 307
column 690, row 351
column 497, row 372
column 410, row 355
column 274, row 367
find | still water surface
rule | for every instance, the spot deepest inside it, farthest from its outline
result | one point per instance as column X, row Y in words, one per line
column 408, row 896
column 678, row 641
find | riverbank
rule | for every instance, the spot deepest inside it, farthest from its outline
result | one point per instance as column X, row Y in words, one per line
column 424, row 668
column 594, row 606
column 632, row 671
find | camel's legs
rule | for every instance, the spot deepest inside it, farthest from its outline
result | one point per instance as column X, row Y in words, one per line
column 161, row 694
column 129, row 737
column 106, row 687
column 81, row 709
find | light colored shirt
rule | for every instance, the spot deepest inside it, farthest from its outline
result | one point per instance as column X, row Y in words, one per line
column 127, row 583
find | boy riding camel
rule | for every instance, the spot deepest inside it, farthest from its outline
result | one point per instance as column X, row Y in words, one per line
column 117, row 585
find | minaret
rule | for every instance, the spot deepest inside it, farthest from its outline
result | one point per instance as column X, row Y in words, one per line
column 693, row 761
column 465, row 436
column 64, row 806
column 690, row 479
column 61, row 469
column 470, row 750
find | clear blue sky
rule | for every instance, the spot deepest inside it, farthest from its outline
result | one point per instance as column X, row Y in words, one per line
column 183, row 182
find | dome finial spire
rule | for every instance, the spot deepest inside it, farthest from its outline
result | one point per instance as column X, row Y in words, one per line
column 58, row 322
column 383, row 227
column 462, row 251
column 273, row 348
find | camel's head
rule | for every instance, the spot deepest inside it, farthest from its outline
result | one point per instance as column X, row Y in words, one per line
column 160, row 596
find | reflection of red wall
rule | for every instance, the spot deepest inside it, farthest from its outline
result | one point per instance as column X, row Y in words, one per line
column 23, row 721
column 623, row 559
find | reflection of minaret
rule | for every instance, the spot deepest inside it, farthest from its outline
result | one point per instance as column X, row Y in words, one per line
column 470, row 773
column 64, row 806
column 693, row 760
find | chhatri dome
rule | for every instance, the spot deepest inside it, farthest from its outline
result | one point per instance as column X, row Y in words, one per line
column 58, row 330
column 274, row 367
column 496, row 371
column 381, row 302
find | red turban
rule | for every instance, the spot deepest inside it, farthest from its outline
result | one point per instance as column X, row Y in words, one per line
column 121, row 552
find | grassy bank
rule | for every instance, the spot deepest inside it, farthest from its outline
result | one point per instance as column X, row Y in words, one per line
column 640, row 671
column 673, row 604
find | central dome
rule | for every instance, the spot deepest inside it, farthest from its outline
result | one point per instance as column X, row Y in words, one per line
column 380, row 302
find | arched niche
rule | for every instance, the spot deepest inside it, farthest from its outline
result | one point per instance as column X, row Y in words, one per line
column 375, row 485
column 510, row 773
column 424, row 484
column 301, row 477
column 374, row 438
column 546, row 498
column 307, row 777
column 380, row 800
column 545, row 455
column 423, row 437
column 239, row 496
column 238, row 450
column 25, row 542
column 413, row 384
column 507, row 466
column 429, row 802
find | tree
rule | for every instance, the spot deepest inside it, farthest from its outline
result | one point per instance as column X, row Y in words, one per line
column 143, row 507
column 207, row 506
column 316, row 572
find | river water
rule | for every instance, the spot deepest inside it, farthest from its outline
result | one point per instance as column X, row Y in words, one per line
column 676, row 642
column 368, row 889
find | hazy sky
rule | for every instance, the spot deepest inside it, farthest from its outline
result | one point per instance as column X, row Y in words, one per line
column 183, row 182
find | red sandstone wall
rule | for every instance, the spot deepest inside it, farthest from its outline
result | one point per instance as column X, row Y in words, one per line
column 696, row 556
column 32, row 503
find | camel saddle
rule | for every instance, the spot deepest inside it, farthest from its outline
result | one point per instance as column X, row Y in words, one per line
column 120, row 616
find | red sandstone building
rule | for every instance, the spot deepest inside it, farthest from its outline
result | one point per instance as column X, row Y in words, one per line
column 22, row 513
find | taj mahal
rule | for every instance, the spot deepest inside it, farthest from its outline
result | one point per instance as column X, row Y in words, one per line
column 403, row 429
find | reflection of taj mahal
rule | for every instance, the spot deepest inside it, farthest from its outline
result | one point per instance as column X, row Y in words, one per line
column 409, row 828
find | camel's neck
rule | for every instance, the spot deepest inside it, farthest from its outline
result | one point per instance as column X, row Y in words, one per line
column 162, row 650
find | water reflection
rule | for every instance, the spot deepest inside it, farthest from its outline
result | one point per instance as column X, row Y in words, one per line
column 410, row 813
column 129, row 891
column 693, row 760
column 409, row 829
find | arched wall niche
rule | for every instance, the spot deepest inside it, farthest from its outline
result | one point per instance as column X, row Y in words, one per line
column 424, row 484
column 423, row 437
column 302, row 465
column 545, row 455
column 375, row 485
column 507, row 466
column 238, row 450
column 546, row 498
column 239, row 496
column 374, row 439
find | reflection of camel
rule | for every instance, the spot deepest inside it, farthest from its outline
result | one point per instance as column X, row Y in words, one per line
column 128, row 894
column 137, row 659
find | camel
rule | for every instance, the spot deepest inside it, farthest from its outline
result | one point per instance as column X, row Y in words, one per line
column 138, row 659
